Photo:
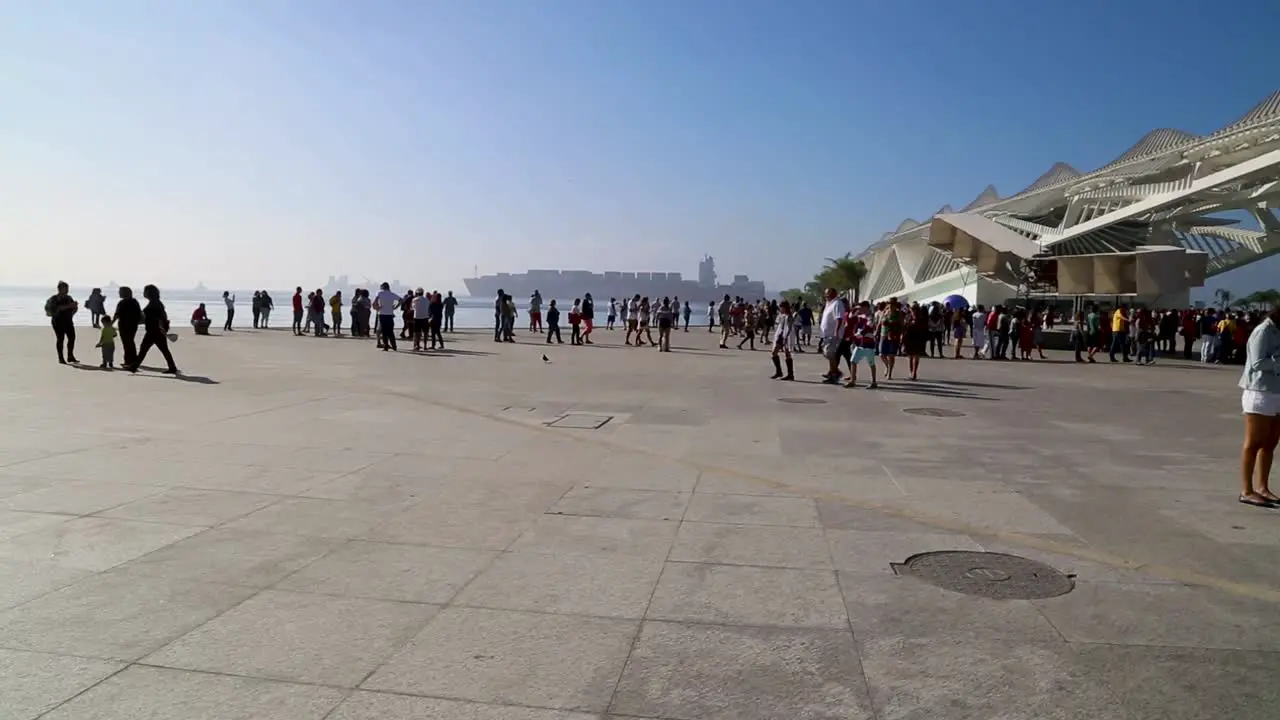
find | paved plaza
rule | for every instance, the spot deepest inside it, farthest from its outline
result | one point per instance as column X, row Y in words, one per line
column 307, row 528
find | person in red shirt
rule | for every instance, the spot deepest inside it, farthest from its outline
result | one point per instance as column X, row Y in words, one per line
column 297, row 311
column 1190, row 332
column 200, row 320
column 860, row 334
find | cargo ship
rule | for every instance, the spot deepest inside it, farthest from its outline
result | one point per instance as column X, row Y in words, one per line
column 568, row 284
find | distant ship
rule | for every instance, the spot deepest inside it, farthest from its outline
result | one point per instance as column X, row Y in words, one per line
column 567, row 284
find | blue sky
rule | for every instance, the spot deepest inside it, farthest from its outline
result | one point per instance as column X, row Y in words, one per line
column 273, row 143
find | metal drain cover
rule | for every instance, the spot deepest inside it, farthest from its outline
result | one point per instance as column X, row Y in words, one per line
column 934, row 412
column 802, row 401
column 991, row 575
column 580, row 421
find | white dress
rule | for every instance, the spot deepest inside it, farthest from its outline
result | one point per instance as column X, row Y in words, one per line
column 979, row 329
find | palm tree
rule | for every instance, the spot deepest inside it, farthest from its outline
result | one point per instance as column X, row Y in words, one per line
column 1261, row 300
column 844, row 273
column 1223, row 297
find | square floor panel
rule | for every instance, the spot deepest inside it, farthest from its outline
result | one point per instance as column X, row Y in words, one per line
column 622, row 503
column 150, row 693
column 91, row 543
column 969, row 679
column 296, row 636
column 753, row 510
column 182, row 506
column 408, row 573
column 705, row 672
column 1162, row 614
column 234, row 557
column 573, row 535
column 498, row 656
column 794, row 547
column 738, row 595
column 116, row 615
column 605, row 586
column 887, row 606
column 80, row 497
column 33, row 683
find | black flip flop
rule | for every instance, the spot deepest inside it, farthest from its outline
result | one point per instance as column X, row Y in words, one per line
column 1258, row 502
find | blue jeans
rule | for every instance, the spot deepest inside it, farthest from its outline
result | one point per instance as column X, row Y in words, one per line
column 1120, row 343
column 1147, row 351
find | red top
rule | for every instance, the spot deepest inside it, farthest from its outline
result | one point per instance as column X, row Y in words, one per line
column 1189, row 325
column 297, row 301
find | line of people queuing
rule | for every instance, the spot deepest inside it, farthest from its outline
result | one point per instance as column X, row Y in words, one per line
column 1141, row 333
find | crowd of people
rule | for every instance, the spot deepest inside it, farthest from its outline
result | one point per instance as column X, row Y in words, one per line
column 857, row 334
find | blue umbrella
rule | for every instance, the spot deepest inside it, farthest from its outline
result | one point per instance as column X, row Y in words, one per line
column 957, row 302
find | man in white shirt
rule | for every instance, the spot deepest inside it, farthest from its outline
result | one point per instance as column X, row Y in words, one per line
column 386, row 304
column 421, row 319
column 832, row 328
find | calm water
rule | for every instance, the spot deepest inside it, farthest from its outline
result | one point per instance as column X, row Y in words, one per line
column 25, row 306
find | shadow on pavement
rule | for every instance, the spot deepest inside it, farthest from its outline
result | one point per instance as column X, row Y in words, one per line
column 152, row 372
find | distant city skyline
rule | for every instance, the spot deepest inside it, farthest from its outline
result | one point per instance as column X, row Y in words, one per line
column 248, row 144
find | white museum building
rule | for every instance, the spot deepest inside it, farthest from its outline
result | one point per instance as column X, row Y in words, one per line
column 1172, row 210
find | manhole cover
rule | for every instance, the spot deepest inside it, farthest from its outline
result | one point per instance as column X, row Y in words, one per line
column 985, row 574
column 802, row 401
column 934, row 412
column 579, row 421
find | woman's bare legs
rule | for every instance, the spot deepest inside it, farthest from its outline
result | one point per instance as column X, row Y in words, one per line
column 1262, row 481
column 1260, row 435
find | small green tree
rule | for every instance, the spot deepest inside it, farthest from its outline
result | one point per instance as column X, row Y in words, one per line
column 844, row 274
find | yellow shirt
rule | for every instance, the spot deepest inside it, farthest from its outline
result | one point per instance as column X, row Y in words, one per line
column 1226, row 327
column 1118, row 322
column 335, row 303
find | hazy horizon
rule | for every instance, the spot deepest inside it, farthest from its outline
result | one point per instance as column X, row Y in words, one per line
column 264, row 144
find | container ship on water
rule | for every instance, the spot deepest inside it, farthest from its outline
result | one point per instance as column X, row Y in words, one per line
column 568, row 284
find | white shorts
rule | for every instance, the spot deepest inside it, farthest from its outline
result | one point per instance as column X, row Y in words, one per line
column 864, row 355
column 1256, row 402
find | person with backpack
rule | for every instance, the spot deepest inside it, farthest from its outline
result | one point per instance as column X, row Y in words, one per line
column 61, row 309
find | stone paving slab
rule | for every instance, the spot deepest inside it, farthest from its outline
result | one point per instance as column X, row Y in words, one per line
column 313, row 529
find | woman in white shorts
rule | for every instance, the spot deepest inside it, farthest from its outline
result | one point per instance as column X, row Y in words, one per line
column 1260, row 401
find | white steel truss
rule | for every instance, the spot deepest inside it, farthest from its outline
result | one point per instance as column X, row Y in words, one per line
column 1169, row 188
